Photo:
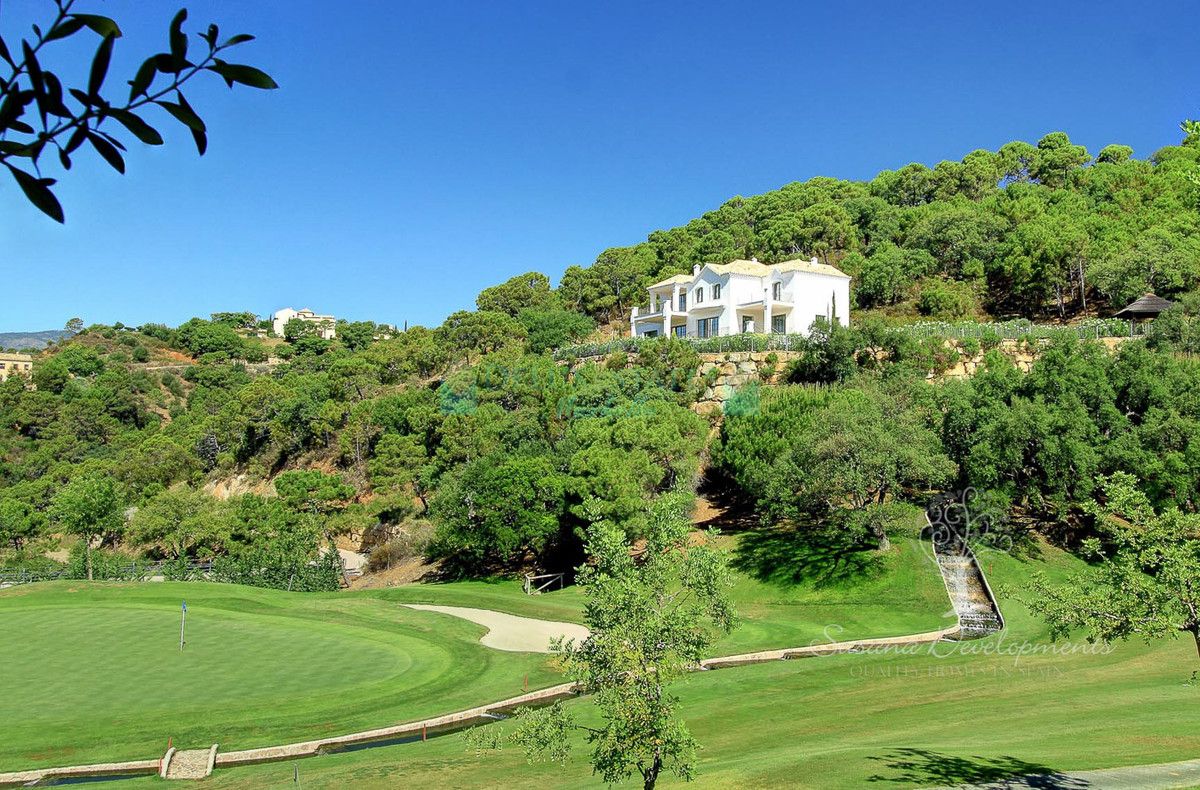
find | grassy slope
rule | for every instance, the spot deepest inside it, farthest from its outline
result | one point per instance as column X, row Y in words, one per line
column 846, row 721
column 869, row 594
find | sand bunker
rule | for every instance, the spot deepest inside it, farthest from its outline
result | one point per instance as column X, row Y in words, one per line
column 509, row 632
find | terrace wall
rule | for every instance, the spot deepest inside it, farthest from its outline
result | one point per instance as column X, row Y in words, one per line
column 724, row 373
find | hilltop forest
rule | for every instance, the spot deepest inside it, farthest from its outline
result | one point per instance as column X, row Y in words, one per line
column 1038, row 231
column 473, row 445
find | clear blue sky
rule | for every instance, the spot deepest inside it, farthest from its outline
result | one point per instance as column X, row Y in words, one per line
column 418, row 152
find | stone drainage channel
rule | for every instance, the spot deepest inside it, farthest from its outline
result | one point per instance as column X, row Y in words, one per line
column 974, row 604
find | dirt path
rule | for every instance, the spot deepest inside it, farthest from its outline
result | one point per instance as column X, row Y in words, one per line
column 509, row 632
column 190, row 764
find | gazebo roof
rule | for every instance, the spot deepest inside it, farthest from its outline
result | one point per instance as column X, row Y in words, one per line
column 1145, row 306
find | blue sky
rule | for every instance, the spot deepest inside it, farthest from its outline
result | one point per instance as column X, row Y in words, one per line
column 418, row 152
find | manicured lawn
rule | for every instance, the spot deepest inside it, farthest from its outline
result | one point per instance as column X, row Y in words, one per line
column 898, row 592
column 94, row 672
column 930, row 718
column 820, row 599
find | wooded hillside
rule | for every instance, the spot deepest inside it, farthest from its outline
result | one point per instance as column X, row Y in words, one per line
column 1035, row 231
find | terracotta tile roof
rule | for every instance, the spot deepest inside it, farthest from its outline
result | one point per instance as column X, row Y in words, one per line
column 752, row 268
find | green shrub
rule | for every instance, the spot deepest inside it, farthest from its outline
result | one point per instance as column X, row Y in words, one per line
column 769, row 367
column 411, row 542
column 106, row 565
column 279, row 571
column 946, row 299
column 172, row 383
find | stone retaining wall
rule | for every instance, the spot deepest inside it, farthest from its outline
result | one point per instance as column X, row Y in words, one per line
column 830, row 648
column 723, row 373
column 27, row 778
column 310, row 748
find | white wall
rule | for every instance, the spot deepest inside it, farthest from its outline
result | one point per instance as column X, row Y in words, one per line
column 745, row 288
column 814, row 295
column 811, row 295
column 280, row 319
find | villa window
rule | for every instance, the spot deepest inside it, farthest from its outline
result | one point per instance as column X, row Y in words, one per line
column 681, row 330
column 716, row 291
column 778, row 324
column 777, row 291
column 699, row 295
column 682, row 302
column 706, row 327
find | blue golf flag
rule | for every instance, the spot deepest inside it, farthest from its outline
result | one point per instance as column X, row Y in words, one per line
column 182, row 621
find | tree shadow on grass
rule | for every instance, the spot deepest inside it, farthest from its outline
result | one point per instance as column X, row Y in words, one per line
column 925, row 768
column 786, row 556
column 722, row 505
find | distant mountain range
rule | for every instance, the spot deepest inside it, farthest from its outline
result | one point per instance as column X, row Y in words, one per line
column 20, row 340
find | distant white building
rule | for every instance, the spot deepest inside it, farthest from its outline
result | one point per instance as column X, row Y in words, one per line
column 744, row 296
column 325, row 323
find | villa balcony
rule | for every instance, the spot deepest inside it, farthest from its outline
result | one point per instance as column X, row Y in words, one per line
column 639, row 315
column 783, row 304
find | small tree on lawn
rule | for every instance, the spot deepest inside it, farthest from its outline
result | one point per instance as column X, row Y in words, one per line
column 652, row 614
column 91, row 507
column 1146, row 578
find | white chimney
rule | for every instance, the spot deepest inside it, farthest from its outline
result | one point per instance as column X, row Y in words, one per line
column 695, row 269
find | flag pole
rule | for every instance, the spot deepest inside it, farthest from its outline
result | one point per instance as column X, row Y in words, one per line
column 182, row 623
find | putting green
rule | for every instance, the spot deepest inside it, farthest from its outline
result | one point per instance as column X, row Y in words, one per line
column 141, row 645
column 94, row 672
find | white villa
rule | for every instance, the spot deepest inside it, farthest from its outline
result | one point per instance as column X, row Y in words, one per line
column 325, row 323
column 744, row 296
